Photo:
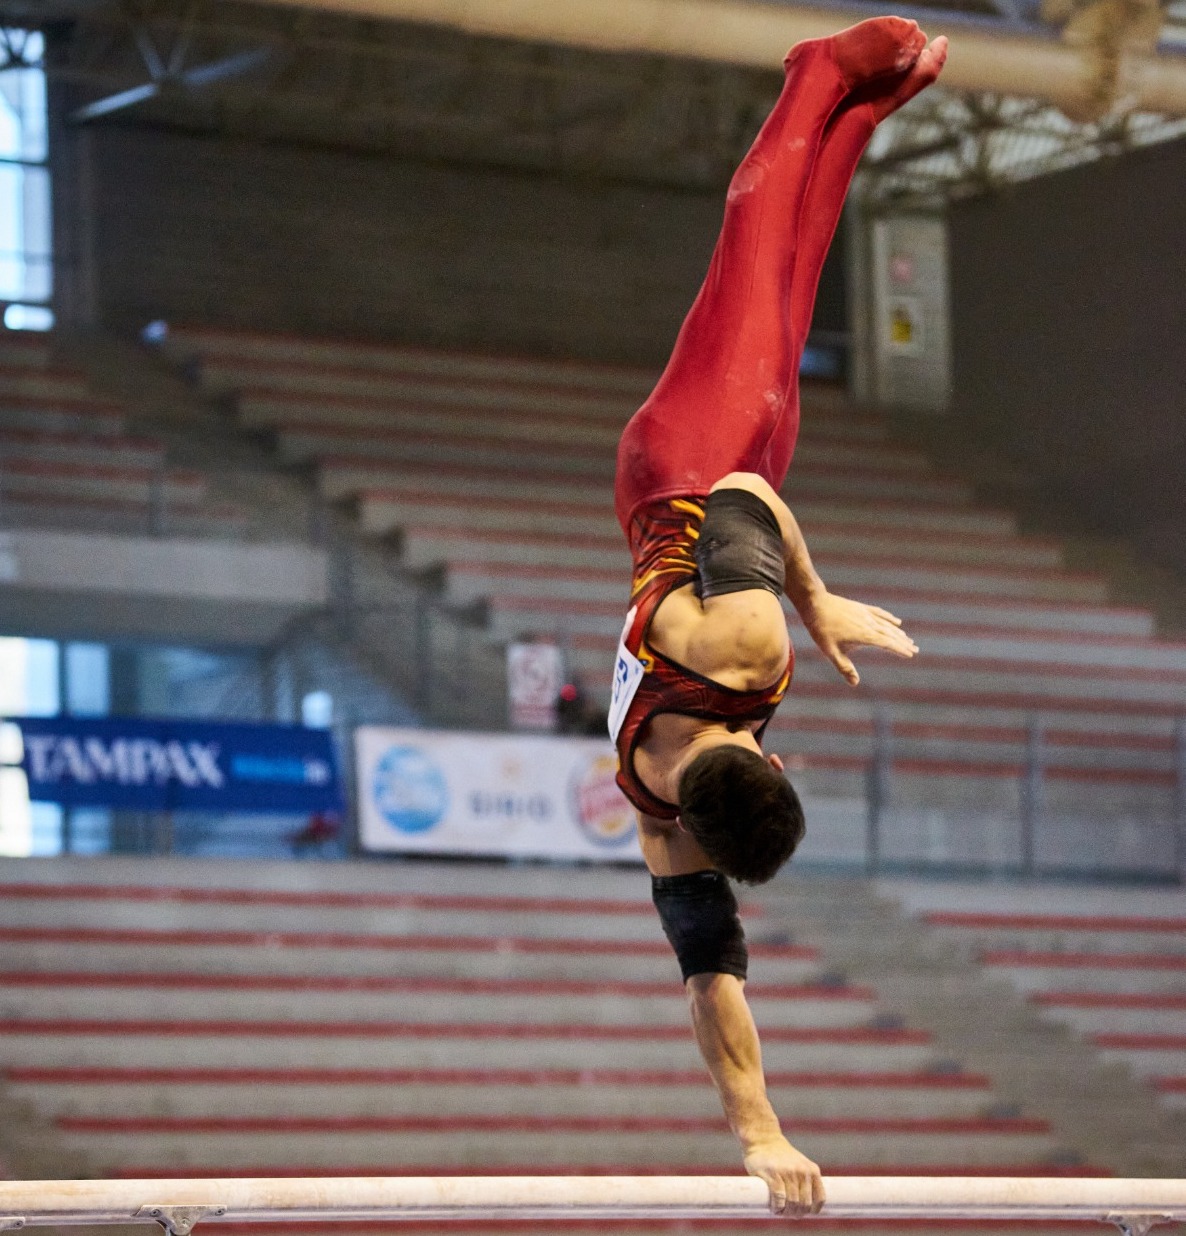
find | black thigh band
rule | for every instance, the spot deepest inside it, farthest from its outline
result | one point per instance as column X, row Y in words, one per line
column 740, row 545
column 699, row 917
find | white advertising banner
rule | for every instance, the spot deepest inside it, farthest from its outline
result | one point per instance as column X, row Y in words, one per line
column 442, row 792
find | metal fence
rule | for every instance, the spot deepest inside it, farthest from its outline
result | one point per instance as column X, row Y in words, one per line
column 1023, row 817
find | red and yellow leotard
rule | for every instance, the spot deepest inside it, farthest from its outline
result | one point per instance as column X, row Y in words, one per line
column 662, row 537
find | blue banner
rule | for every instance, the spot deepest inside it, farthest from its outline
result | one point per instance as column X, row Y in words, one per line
column 149, row 765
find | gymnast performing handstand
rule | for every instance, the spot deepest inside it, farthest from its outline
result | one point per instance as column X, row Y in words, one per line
column 705, row 657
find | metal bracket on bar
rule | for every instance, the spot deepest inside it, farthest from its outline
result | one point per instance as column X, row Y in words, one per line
column 180, row 1220
column 9, row 1223
column 1137, row 1225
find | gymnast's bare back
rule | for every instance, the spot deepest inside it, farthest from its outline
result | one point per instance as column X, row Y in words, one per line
column 740, row 640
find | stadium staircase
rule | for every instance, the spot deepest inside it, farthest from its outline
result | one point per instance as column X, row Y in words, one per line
column 95, row 437
column 1109, row 971
column 495, row 474
column 189, row 1018
column 67, row 458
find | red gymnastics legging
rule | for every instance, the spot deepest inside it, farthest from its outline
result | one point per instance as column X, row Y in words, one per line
column 728, row 400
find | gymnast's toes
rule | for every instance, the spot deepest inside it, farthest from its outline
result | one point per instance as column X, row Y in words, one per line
column 876, row 48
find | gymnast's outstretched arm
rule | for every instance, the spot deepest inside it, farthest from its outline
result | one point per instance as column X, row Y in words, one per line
column 724, row 1027
column 728, row 1041
column 834, row 622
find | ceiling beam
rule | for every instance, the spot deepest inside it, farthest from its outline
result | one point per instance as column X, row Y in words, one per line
column 756, row 35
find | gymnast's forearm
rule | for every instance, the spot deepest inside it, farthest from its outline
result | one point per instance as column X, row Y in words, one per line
column 803, row 584
column 728, row 1041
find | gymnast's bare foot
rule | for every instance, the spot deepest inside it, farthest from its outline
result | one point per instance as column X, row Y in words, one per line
column 924, row 71
column 886, row 95
column 871, row 49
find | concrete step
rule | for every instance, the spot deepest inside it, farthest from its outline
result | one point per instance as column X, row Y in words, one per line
column 820, row 704
column 109, row 449
column 1071, row 935
column 947, row 649
column 129, row 514
column 1147, row 1055
column 534, row 601
column 365, row 423
column 513, row 394
column 1110, row 1014
column 105, row 481
column 351, row 417
column 199, row 1093
column 360, row 885
column 801, row 725
column 187, row 1144
column 1154, row 912
column 1094, row 1107
column 849, row 576
column 487, row 957
column 1032, row 687
column 418, row 1002
column 58, row 415
column 1102, row 973
column 78, row 905
column 425, row 540
column 1171, row 1092
column 965, row 747
column 598, row 557
column 204, row 1043
column 511, row 476
column 21, row 382
column 1059, row 701
column 477, row 501
column 555, row 463
column 26, row 349
column 254, row 349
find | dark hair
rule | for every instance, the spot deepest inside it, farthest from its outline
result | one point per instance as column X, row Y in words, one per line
column 745, row 814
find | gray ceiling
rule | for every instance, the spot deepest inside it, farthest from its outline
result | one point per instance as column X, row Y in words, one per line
column 423, row 92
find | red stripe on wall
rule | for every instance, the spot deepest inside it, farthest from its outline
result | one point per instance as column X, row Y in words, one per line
column 434, row 1030
column 1055, row 922
column 411, row 985
column 239, row 1171
column 946, row 1127
column 1084, row 961
column 483, row 1077
column 332, row 900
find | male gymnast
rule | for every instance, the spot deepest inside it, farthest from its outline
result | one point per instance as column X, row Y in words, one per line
column 705, row 656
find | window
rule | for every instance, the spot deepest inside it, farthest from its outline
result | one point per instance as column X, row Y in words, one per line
column 26, row 241
column 28, row 687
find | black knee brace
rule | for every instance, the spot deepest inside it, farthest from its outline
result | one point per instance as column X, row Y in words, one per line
column 699, row 917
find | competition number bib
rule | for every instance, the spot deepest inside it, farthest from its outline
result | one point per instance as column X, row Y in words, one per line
column 628, row 672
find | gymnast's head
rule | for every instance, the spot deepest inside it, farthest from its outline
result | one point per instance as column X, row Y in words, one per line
column 742, row 810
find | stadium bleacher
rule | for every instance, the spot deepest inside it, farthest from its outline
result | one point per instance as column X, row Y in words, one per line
column 500, row 471
column 203, row 1019
column 1117, row 978
column 68, row 461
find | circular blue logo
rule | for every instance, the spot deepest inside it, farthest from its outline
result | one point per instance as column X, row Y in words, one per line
column 409, row 790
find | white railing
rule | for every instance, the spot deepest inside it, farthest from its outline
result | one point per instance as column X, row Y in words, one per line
column 1133, row 1205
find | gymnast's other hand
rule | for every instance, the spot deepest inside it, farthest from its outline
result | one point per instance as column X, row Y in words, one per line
column 838, row 624
column 795, row 1184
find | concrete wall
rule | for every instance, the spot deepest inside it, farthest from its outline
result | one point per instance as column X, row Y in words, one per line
column 70, row 585
column 319, row 241
column 1069, row 335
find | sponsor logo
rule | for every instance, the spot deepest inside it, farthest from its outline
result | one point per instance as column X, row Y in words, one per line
column 288, row 769
column 409, row 790
column 123, row 761
column 598, row 806
column 506, row 806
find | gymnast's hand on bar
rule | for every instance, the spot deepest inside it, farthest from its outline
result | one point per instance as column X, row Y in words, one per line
column 838, row 624
column 795, row 1184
